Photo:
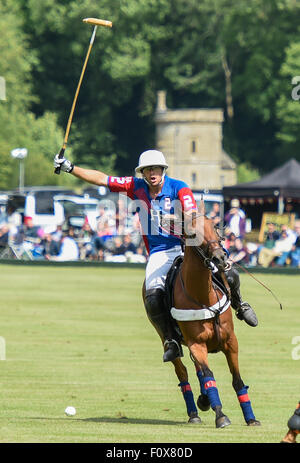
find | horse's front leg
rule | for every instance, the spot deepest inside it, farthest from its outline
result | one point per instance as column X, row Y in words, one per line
column 231, row 352
column 186, row 390
column 208, row 383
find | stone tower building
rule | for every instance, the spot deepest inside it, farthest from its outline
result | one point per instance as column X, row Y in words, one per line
column 191, row 140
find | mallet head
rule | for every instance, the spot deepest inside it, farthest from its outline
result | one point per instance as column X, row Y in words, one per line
column 98, row 22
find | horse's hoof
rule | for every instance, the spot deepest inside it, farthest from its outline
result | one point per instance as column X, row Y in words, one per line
column 203, row 403
column 222, row 421
column 194, row 418
column 253, row 423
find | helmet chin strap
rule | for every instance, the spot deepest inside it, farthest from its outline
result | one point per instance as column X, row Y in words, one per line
column 162, row 177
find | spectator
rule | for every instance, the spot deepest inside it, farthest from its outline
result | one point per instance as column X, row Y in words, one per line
column 86, row 241
column 281, row 249
column 238, row 252
column 290, row 233
column 32, row 238
column 119, row 248
column 271, row 236
column 295, row 252
column 51, row 245
column 104, row 229
column 136, row 233
column 128, row 244
column 98, row 245
column 58, row 233
column 139, row 256
column 69, row 250
column 215, row 213
column 31, row 231
column 118, row 251
column 252, row 251
column 4, row 232
column 13, row 220
column 236, row 219
column 229, row 243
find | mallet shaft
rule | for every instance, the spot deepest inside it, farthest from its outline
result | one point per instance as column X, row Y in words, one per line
column 96, row 22
column 78, row 86
column 57, row 170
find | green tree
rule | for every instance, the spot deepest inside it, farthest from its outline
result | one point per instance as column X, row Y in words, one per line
column 18, row 126
column 288, row 104
column 213, row 53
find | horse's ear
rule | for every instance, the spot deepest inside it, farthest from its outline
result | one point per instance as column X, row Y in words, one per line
column 202, row 206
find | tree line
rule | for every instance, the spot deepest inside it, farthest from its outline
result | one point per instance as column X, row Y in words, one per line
column 236, row 55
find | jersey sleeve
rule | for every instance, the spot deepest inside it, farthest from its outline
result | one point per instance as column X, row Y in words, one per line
column 186, row 197
column 123, row 185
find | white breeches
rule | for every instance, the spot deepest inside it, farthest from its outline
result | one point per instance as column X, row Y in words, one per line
column 158, row 265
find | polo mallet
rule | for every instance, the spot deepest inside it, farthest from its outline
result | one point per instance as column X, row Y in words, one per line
column 96, row 22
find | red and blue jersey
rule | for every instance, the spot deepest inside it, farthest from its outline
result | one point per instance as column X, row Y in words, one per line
column 174, row 198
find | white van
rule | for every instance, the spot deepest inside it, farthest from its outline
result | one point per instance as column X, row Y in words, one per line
column 52, row 206
column 77, row 208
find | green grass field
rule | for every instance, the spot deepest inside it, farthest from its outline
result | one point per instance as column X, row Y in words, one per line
column 79, row 336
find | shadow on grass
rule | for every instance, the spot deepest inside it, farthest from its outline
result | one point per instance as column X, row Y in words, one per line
column 109, row 419
column 125, row 420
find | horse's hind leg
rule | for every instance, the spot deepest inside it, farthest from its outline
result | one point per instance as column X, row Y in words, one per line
column 203, row 400
column 186, row 390
column 208, row 383
column 231, row 353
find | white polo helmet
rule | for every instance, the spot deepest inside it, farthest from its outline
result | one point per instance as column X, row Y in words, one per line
column 151, row 158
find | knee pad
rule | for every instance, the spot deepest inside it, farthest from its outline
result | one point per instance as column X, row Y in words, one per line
column 155, row 302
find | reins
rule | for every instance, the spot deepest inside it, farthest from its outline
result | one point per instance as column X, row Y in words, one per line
column 252, row 276
column 208, row 261
column 258, row 281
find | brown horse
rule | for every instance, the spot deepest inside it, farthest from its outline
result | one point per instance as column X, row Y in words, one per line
column 202, row 311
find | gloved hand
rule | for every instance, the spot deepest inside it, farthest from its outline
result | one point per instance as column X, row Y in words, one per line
column 63, row 163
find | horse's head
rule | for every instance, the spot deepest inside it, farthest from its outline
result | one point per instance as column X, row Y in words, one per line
column 202, row 235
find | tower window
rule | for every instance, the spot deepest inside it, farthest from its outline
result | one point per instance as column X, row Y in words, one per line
column 194, row 178
column 193, row 146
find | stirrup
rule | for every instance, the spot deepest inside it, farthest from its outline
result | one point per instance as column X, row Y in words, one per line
column 174, row 350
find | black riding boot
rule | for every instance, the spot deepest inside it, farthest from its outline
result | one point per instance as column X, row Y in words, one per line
column 243, row 309
column 158, row 314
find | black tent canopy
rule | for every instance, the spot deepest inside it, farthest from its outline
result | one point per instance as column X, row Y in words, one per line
column 283, row 182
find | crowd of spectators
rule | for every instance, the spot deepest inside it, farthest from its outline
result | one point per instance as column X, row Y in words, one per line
column 114, row 236
column 105, row 240
column 280, row 246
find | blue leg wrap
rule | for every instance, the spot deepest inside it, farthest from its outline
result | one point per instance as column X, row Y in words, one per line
column 201, row 381
column 188, row 397
column 210, row 387
column 245, row 404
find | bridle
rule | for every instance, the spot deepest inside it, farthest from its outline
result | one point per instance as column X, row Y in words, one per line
column 205, row 251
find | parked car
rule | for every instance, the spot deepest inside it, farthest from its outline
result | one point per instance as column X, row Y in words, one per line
column 77, row 208
column 41, row 207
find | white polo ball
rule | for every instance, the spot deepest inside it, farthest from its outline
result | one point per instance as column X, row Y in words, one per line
column 70, row 411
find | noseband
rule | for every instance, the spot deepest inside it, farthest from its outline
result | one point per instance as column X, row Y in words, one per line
column 207, row 261
column 203, row 253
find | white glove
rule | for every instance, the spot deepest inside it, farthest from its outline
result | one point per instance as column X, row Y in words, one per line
column 63, row 163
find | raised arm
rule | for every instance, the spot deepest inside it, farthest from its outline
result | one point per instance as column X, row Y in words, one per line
column 91, row 176
column 88, row 175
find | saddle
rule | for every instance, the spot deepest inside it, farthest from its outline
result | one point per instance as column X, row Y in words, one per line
column 170, row 279
column 172, row 274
